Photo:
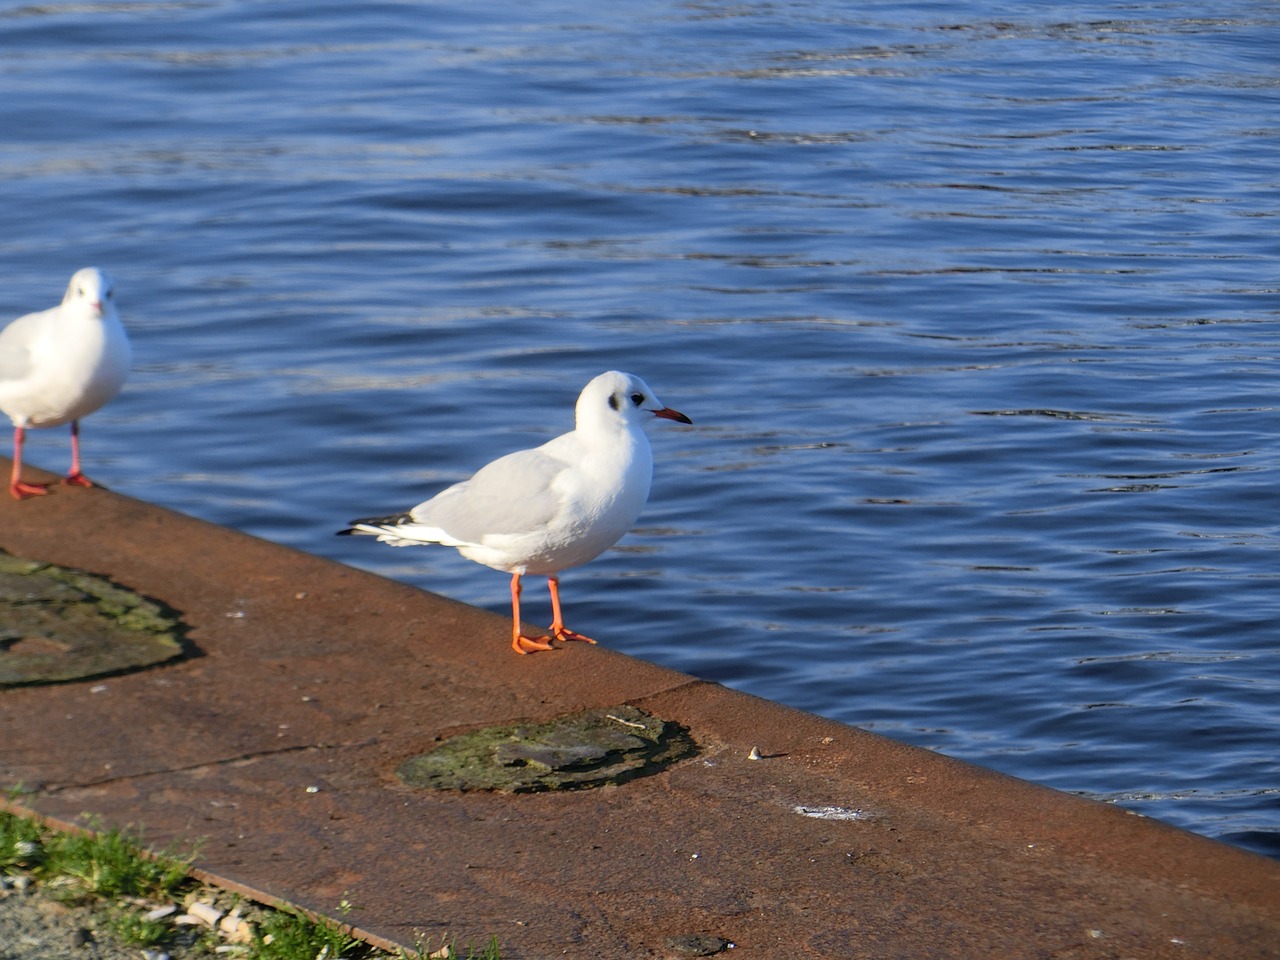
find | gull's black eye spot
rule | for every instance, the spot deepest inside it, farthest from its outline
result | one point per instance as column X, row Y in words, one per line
column 637, row 398
column 110, row 294
column 613, row 401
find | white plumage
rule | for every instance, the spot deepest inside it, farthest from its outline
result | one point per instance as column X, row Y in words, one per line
column 544, row 510
column 61, row 364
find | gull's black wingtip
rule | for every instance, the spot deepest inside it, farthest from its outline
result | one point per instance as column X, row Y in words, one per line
column 390, row 520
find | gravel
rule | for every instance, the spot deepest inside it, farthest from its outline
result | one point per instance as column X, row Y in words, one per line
column 35, row 926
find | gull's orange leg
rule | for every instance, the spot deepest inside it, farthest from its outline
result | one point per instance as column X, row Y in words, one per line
column 18, row 488
column 75, row 478
column 519, row 642
column 558, row 629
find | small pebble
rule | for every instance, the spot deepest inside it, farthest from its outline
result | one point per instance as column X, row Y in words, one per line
column 205, row 912
column 81, row 938
column 755, row 754
column 236, row 929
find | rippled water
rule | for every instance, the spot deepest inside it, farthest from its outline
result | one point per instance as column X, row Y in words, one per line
column 975, row 307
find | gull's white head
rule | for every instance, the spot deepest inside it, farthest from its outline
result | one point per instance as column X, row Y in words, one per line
column 620, row 398
column 90, row 289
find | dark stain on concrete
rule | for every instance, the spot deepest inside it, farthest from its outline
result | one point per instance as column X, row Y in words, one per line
column 697, row 945
column 58, row 624
column 608, row 745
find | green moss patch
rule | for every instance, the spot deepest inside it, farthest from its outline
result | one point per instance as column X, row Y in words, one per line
column 609, row 745
column 58, row 624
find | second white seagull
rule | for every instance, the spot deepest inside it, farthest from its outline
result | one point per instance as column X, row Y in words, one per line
column 544, row 510
column 59, row 365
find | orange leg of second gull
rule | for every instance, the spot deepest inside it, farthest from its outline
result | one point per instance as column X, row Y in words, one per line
column 519, row 642
column 558, row 629
column 75, row 478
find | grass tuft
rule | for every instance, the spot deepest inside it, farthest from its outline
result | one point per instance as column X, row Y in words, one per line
column 287, row 934
column 113, row 864
column 134, row 928
column 21, row 844
column 110, row 870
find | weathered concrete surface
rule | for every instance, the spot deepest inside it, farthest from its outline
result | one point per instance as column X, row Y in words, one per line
column 277, row 746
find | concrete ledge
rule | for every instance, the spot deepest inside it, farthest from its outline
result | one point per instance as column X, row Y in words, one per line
column 277, row 745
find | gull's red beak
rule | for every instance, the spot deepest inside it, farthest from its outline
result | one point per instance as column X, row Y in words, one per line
column 666, row 413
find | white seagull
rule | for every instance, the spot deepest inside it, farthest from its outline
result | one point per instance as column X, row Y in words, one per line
column 61, row 364
column 545, row 510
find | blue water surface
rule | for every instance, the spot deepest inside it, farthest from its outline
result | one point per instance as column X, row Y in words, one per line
column 976, row 308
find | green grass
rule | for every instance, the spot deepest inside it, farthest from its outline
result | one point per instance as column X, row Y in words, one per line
column 111, row 870
column 134, row 928
column 112, row 864
column 86, row 866
column 287, row 934
column 20, row 843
